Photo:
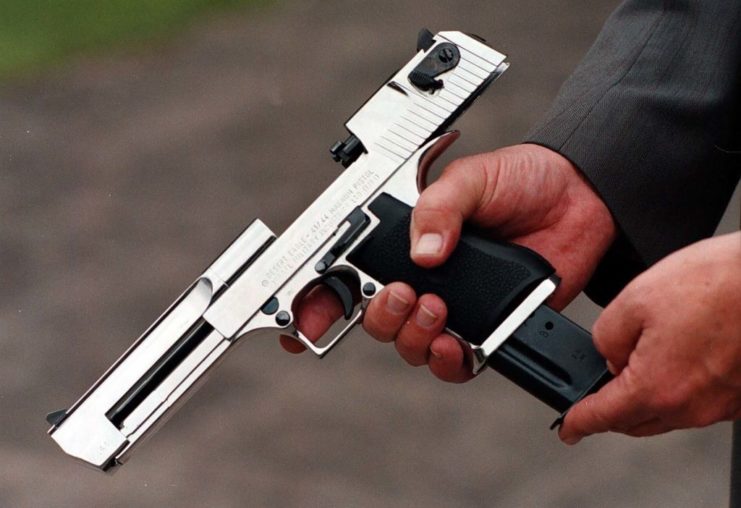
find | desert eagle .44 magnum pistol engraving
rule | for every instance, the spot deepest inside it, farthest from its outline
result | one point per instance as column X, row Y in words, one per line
column 354, row 239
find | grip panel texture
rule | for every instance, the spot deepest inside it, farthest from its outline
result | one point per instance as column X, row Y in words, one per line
column 480, row 283
column 483, row 280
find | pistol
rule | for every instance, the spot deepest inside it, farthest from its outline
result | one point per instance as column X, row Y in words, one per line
column 354, row 239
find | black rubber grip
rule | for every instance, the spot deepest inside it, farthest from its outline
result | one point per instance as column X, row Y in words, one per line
column 481, row 283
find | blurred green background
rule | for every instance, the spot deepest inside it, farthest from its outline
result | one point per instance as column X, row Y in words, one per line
column 36, row 33
column 138, row 138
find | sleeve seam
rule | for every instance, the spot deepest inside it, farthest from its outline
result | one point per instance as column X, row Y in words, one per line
column 611, row 86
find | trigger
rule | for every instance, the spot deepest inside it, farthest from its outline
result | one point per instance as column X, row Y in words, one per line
column 343, row 292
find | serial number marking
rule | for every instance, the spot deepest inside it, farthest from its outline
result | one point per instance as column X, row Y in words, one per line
column 322, row 228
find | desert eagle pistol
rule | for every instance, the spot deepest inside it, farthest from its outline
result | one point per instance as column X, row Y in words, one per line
column 354, row 238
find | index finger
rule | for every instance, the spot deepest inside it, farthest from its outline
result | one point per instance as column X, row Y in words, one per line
column 319, row 309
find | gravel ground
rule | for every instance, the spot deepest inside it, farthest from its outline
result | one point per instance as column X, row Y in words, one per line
column 122, row 176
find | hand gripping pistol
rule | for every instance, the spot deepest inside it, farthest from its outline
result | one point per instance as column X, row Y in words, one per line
column 354, row 238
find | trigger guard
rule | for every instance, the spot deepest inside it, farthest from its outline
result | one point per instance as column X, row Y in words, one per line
column 343, row 292
column 430, row 156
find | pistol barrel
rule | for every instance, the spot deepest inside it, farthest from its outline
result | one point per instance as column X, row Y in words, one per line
column 159, row 368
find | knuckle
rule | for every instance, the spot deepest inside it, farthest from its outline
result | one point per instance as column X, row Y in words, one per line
column 432, row 213
column 600, row 331
column 630, row 384
column 591, row 418
column 632, row 300
column 668, row 400
column 719, row 369
column 380, row 329
column 386, row 314
column 638, row 298
column 410, row 352
column 413, row 343
column 380, row 335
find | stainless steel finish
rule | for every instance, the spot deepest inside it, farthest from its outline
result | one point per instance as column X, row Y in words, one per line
column 239, row 253
column 87, row 433
column 523, row 311
column 323, row 350
column 401, row 185
column 298, row 245
column 395, row 126
column 392, row 126
column 173, row 392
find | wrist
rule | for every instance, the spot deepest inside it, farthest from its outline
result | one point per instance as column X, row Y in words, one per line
column 587, row 203
column 582, row 198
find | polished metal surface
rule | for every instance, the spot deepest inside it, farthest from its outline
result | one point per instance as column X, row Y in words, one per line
column 392, row 126
column 398, row 127
column 87, row 433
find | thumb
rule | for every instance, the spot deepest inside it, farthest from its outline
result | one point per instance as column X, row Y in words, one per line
column 618, row 406
column 442, row 208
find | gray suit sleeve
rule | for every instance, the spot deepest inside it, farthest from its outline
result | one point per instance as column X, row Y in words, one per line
column 652, row 117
